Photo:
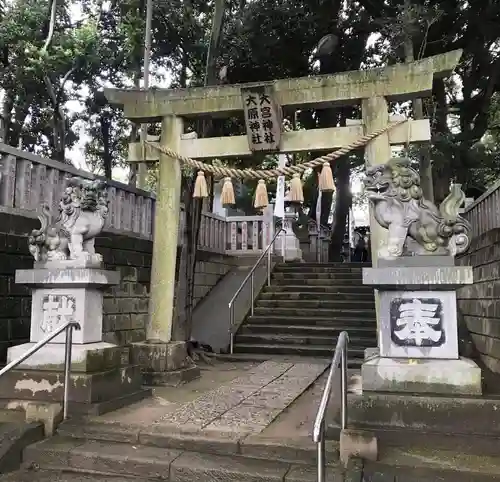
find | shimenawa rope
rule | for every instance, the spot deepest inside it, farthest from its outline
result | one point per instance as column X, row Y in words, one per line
column 280, row 171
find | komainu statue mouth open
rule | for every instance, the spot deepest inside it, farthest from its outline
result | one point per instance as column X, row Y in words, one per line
column 82, row 211
column 416, row 226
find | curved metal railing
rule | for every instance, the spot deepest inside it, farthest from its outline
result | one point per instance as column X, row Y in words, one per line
column 319, row 429
column 250, row 276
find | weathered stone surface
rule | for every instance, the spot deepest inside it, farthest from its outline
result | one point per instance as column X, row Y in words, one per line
column 50, row 414
column 454, row 377
column 308, row 473
column 160, row 357
column 89, row 358
column 172, row 378
column 150, row 105
column 108, row 457
column 245, row 418
column 191, row 467
column 357, row 444
column 85, row 388
column 431, row 414
column 241, row 404
column 414, row 277
column 296, row 450
column 478, row 303
column 75, row 277
column 14, row 437
column 206, row 441
column 55, row 454
column 437, row 339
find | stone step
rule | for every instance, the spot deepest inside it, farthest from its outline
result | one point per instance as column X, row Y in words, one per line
column 426, row 413
column 315, row 312
column 303, row 339
column 323, row 276
column 299, row 449
column 429, row 464
column 301, row 280
column 318, row 295
column 261, row 357
column 335, row 289
column 152, row 463
column 302, row 319
column 299, row 264
column 304, row 350
column 316, row 303
column 411, row 439
column 318, row 269
column 303, row 330
column 14, row 437
column 58, row 476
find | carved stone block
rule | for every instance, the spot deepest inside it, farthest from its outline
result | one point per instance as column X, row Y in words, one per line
column 62, row 295
column 418, row 324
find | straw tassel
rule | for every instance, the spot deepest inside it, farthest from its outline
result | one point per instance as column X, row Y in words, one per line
column 261, row 199
column 227, row 194
column 326, row 178
column 296, row 192
column 200, row 186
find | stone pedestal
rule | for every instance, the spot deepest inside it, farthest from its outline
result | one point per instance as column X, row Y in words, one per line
column 164, row 363
column 288, row 240
column 418, row 334
column 102, row 378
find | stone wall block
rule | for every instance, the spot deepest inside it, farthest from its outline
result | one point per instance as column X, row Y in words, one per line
column 138, row 321
column 20, row 328
column 483, row 326
column 128, row 273
column 480, row 302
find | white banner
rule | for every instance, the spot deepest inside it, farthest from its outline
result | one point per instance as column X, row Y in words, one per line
column 279, row 208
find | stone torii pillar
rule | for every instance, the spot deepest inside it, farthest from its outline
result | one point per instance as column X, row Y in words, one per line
column 162, row 357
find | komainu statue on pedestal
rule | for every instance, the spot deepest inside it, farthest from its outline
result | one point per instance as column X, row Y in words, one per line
column 82, row 211
column 416, row 226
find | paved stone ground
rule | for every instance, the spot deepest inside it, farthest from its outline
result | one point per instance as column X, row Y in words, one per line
column 229, row 397
column 269, row 400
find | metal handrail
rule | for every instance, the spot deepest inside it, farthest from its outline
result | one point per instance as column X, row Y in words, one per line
column 250, row 276
column 339, row 358
column 67, row 357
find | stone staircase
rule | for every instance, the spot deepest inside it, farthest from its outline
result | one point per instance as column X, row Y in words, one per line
column 305, row 308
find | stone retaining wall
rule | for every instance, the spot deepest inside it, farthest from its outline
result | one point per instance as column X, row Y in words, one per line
column 125, row 306
column 479, row 304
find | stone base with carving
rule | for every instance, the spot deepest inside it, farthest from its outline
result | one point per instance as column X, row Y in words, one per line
column 166, row 364
column 102, row 377
column 418, row 329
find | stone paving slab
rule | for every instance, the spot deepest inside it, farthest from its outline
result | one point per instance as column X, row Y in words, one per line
column 248, row 403
column 245, row 418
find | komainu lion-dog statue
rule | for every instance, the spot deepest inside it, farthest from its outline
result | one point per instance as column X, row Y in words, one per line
column 416, row 226
column 82, row 211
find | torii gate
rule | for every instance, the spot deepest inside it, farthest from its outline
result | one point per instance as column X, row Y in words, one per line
column 372, row 88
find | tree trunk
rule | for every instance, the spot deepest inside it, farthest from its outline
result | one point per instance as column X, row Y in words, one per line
column 6, row 117
column 342, row 205
column 107, row 158
column 425, row 168
column 443, row 167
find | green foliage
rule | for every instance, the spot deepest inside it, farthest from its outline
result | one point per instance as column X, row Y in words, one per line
column 263, row 40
